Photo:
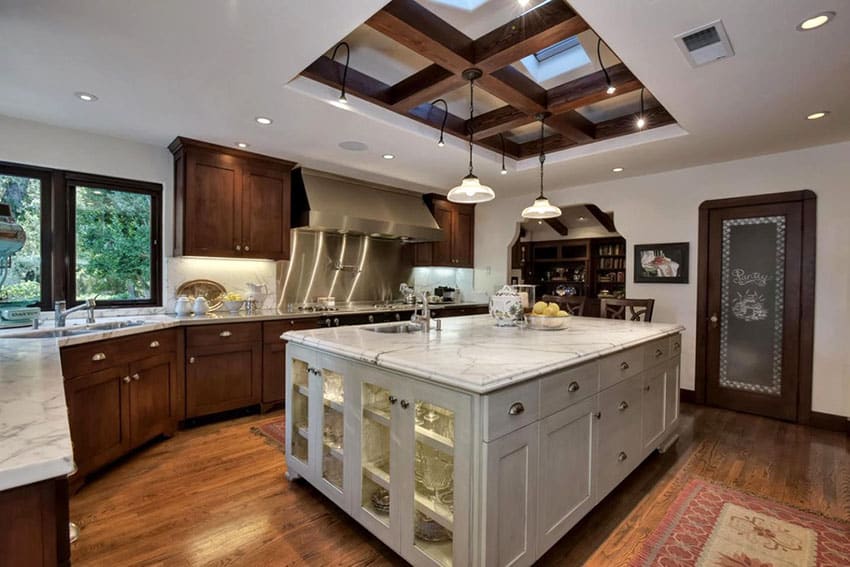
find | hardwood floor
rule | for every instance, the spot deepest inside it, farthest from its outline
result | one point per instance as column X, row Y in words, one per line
column 216, row 495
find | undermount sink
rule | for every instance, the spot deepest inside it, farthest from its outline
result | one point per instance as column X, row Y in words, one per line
column 403, row 327
column 72, row 331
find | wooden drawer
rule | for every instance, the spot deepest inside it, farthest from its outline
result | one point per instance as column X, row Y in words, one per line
column 619, row 366
column 272, row 330
column 567, row 387
column 509, row 409
column 224, row 334
column 656, row 352
column 90, row 357
column 675, row 347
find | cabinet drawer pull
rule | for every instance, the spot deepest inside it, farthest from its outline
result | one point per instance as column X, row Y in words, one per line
column 225, row 334
column 191, row 360
column 136, row 377
column 624, row 365
column 647, row 388
column 622, row 456
column 624, row 405
column 573, row 387
column 98, row 356
column 126, row 379
column 154, row 344
column 238, row 248
column 658, row 352
column 393, row 399
column 292, row 323
column 371, row 318
column 516, row 408
column 405, row 404
column 247, row 248
column 598, row 415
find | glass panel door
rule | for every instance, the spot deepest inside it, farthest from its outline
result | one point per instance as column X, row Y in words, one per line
column 333, row 427
column 376, row 420
column 299, row 398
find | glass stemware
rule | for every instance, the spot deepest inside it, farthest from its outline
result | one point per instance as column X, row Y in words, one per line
column 437, row 475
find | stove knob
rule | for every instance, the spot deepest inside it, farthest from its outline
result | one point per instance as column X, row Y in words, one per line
column 398, row 316
column 336, row 322
column 328, row 322
column 371, row 318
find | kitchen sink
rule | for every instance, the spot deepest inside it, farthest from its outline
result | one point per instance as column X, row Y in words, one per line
column 403, row 327
column 72, row 331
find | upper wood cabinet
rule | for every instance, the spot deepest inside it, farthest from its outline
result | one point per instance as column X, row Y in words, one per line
column 229, row 203
column 458, row 224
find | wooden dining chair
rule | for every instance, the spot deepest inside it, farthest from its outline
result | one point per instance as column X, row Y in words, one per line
column 572, row 304
column 638, row 309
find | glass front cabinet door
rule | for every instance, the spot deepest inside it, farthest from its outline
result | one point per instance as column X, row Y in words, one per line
column 331, row 383
column 298, row 383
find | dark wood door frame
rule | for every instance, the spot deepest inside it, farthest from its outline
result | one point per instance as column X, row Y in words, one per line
column 808, row 200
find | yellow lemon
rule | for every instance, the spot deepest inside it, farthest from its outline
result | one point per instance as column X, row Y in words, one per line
column 540, row 307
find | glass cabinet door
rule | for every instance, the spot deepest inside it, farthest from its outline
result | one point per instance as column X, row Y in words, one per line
column 331, row 439
column 298, row 410
column 375, row 452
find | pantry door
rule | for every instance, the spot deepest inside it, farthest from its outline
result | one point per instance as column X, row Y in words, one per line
column 756, row 303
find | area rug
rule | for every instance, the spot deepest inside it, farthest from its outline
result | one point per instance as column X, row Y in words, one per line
column 709, row 525
column 274, row 432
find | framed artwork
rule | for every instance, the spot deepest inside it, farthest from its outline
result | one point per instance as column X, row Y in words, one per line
column 661, row 263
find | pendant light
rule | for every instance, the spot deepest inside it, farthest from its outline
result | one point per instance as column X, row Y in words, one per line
column 641, row 121
column 470, row 189
column 611, row 88
column 344, row 44
column 542, row 208
column 504, row 171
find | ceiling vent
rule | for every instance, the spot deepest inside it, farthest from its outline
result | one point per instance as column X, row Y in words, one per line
column 705, row 44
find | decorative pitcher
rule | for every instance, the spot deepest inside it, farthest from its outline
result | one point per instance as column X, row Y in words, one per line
column 506, row 307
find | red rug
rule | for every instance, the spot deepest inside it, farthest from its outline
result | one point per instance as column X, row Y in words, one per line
column 709, row 525
column 274, row 431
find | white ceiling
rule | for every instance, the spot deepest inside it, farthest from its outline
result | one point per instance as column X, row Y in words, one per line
column 206, row 68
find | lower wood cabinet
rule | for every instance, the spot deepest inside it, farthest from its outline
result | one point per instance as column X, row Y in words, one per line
column 222, row 377
column 35, row 525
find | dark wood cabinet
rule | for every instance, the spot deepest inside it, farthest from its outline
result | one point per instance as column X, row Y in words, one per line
column 458, row 224
column 230, row 203
column 224, row 369
column 35, row 530
column 153, row 391
column 274, row 358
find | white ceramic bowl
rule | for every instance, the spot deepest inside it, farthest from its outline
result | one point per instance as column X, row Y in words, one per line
column 547, row 322
column 233, row 306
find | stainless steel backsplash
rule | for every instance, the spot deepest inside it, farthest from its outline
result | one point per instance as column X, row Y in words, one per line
column 347, row 267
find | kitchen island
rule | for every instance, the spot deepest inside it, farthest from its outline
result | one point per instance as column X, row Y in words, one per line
column 476, row 444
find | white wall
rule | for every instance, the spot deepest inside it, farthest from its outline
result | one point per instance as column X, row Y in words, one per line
column 664, row 208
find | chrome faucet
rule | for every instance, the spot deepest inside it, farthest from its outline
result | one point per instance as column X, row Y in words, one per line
column 425, row 317
column 60, row 313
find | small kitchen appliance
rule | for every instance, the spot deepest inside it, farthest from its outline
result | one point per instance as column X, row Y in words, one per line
column 449, row 294
column 12, row 239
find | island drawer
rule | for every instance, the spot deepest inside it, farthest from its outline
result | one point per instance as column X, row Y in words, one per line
column 675, row 345
column 656, row 352
column 509, row 409
column 224, row 334
column 621, row 365
column 567, row 387
column 90, row 357
column 272, row 330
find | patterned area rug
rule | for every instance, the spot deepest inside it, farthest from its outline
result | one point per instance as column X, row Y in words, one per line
column 709, row 525
column 274, row 431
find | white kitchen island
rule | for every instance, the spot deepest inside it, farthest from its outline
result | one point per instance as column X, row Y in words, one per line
column 477, row 445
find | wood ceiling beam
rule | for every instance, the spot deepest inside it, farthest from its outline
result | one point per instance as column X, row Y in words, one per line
column 589, row 89
column 623, row 125
column 329, row 72
column 604, row 218
column 425, row 86
column 417, row 28
column 433, row 116
column 512, row 149
column 558, row 226
column 551, row 143
column 573, row 125
column 541, row 27
column 516, row 89
column 499, row 120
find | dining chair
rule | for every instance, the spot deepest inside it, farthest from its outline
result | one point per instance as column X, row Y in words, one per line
column 638, row 309
column 573, row 304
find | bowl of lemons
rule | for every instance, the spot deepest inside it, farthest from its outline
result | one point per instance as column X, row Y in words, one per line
column 232, row 302
column 547, row 317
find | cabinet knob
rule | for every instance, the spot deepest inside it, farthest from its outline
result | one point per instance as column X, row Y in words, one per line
column 658, row 352
column 393, row 399
column 126, row 379
column 154, row 344
column 371, row 318
column 405, row 404
column 516, row 408
column 598, row 415
column 646, row 388
column 191, row 360
column 676, row 345
column 398, row 316
column 624, row 405
column 624, row 365
column 336, row 322
column 98, row 356
column 136, row 377
column 291, row 323
column 573, row 387
column 247, row 248
column 238, row 248
column 622, row 456
column 225, row 334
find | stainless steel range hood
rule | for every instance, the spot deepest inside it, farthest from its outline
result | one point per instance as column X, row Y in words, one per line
column 330, row 203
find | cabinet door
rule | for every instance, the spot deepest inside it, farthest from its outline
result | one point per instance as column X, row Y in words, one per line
column 265, row 212
column 153, row 393
column 671, row 414
column 99, row 416
column 423, row 254
column 619, row 433
column 299, row 373
column 222, row 377
column 566, row 489
column 332, row 381
column 441, row 251
column 211, row 204
column 436, row 444
column 653, row 407
column 274, row 372
column 463, row 237
column 510, row 517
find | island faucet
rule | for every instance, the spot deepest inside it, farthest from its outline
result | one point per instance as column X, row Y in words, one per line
column 425, row 317
column 60, row 313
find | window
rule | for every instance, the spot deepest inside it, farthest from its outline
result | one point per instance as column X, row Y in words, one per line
column 556, row 49
column 105, row 234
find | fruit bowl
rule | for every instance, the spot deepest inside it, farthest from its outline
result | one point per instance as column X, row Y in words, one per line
column 233, row 306
column 547, row 322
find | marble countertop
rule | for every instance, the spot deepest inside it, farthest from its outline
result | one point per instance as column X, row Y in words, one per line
column 472, row 354
column 35, row 439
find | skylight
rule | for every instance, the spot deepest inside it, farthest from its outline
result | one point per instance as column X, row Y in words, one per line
column 556, row 49
column 556, row 60
column 468, row 5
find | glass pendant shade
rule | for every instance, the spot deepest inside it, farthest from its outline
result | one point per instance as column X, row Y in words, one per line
column 470, row 190
column 541, row 209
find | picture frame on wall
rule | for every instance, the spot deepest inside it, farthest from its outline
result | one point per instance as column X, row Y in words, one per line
column 661, row 263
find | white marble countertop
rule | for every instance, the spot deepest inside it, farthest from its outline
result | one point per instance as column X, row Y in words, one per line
column 35, row 439
column 472, row 354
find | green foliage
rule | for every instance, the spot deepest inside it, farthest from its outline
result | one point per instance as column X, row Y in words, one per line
column 21, row 290
column 24, row 196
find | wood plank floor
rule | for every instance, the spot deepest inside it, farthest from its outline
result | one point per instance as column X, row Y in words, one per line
column 216, row 495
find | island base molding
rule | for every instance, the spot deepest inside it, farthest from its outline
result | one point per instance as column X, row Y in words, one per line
column 447, row 476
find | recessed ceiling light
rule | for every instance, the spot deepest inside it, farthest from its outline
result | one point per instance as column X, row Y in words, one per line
column 242, row 145
column 815, row 21
column 816, row 115
column 86, row 97
column 263, row 120
column 523, row 3
column 617, row 169
column 388, row 156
